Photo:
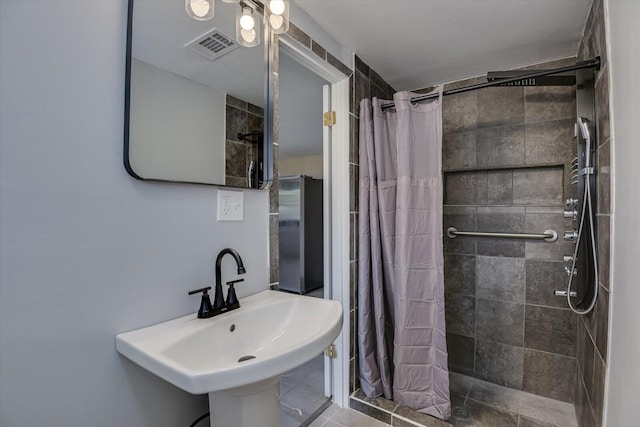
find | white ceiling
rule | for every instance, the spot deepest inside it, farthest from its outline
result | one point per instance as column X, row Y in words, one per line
column 416, row 43
column 161, row 28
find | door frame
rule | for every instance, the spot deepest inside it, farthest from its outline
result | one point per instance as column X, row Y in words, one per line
column 338, row 206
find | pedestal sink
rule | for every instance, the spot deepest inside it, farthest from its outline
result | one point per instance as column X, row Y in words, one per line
column 238, row 357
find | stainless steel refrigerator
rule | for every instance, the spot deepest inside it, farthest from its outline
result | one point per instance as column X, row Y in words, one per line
column 301, row 246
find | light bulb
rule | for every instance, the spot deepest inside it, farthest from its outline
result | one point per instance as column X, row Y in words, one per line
column 246, row 21
column 276, row 21
column 200, row 8
column 248, row 35
column 277, row 7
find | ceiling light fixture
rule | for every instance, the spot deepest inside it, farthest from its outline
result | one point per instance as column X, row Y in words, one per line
column 278, row 11
column 200, row 10
column 247, row 27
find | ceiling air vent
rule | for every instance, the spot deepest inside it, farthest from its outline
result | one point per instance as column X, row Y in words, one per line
column 212, row 45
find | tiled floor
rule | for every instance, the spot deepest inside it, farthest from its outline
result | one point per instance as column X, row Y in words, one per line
column 302, row 392
column 480, row 403
column 475, row 403
column 334, row 416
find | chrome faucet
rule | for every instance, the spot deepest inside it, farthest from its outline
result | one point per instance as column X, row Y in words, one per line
column 231, row 303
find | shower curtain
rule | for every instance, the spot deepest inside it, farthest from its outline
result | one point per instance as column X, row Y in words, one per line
column 401, row 325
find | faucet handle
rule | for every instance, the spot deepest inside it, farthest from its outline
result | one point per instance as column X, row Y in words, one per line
column 206, row 309
column 232, row 299
column 203, row 290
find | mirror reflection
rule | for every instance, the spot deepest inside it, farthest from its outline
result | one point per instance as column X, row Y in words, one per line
column 196, row 95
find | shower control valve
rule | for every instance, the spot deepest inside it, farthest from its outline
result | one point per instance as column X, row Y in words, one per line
column 571, row 202
column 573, row 214
column 569, row 272
column 564, row 293
column 571, row 236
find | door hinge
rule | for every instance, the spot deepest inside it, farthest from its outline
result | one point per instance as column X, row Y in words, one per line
column 331, row 351
column 329, row 118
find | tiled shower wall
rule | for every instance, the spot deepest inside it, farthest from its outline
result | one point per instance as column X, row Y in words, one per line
column 593, row 328
column 241, row 117
column 506, row 159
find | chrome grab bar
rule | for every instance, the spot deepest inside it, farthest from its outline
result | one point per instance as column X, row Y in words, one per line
column 547, row 236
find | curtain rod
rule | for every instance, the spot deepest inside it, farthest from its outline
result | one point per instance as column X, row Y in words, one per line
column 592, row 63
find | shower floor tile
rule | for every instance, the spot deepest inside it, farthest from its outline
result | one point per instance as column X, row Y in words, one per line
column 480, row 403
column 476, row 403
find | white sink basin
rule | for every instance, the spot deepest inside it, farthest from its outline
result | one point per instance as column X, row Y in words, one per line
column 282, row 331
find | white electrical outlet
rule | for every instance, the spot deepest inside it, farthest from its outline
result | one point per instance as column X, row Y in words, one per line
column 230, row 205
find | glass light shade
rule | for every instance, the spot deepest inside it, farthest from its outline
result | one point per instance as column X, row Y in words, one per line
column 200, row 10
column 247, row 27
column 278, row 12
column 246, row 20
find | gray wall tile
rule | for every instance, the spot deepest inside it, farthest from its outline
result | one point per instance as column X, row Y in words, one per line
column 542, row 278
column 604, row 249
column 538, row 186
column 585, row 351
column 460, row 352
column 362, row 90
column 500, row 187
column 354, row 137
column 501, row 146
column 274, row 249
column 500, row 321
column 549, row 103
column 500, row 106
column 584, row 412
column 499, row 363
column 597, row 396
column 459, row 150
column 459, row 112
column 501, row 223
column 460, row 274
column 500, row 278
column 466, row 188
column 550, row 142
column 602, row 322
column 299, row 35
column 602, row 106
column 460, row 314
column 552, row 251
column 603, row 178
column 462, row 222
column 549, row 375
column 236, row 159
column 550, row 329
column 318, row 49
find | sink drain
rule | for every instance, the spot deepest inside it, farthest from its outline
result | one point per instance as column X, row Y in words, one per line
column 245, row 358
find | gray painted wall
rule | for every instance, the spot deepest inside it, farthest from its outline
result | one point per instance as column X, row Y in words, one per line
column 86, row 250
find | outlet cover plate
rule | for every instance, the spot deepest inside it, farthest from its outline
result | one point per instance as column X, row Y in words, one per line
column 230, row 205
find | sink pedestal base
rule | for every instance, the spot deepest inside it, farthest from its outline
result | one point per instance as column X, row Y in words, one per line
column 257, row 404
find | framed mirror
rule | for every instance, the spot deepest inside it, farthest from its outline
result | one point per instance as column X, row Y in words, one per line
column 198, row 104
